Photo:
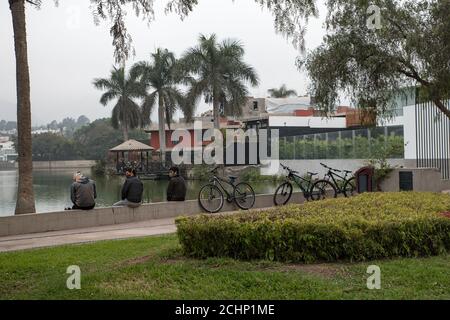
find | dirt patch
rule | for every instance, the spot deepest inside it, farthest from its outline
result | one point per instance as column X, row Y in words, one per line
column 446, row 214
column 322, row 270
column 138, row 260
column 172, row 260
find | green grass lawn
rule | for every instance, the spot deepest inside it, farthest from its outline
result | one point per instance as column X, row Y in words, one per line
column 153, row 268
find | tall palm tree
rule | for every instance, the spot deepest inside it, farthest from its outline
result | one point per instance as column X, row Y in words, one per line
column 219, row 74
column 281, row 92
column 160, row 77
column 25, row 195
column 126, row 113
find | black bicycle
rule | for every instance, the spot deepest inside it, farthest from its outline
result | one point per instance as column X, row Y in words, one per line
column 334, row 184
column 284, row 191
column 211, row 196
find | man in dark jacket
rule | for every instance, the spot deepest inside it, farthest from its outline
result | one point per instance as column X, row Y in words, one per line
column 176, row 190
column 131, row 190
column 83, row 192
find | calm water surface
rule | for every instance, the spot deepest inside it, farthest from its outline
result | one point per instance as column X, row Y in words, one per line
column 52, row 190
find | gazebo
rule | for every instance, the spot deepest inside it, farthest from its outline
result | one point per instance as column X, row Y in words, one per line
column 132, row 147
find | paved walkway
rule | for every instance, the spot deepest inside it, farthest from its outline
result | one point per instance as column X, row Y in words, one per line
column 55, row 238
column 111, row 232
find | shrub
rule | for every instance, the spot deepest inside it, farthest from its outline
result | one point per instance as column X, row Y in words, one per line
column 368, row 226
column 99, row 168
column 201, row 172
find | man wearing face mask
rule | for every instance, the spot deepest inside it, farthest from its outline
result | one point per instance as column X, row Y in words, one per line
column 131, row 191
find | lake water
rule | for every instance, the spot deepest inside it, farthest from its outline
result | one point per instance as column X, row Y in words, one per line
column 52, row 190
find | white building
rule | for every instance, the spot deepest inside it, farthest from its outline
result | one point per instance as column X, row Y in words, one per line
column 7, row 151
column 418, row 131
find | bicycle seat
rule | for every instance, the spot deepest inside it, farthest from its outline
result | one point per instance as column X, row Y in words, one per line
column 347, row 171
column 232, row 177
column 312, row 173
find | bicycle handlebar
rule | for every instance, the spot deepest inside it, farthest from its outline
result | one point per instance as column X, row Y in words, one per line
column 288, row 169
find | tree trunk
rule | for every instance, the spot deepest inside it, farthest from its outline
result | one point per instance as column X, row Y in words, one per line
column 162, row 130
column 440, row 105
column 125, row 132
column 216, row 111
column 25, row 194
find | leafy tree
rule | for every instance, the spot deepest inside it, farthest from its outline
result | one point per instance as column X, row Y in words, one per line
column 67, row 126
column 282, row 92
column 50, row 146
column 11, row 125
column 126, row 113
column 53, row 125
column 95, row 139
column 160, row 77
column 373, row 63
column 3, row 125
column 219, row 73
column 82, row 121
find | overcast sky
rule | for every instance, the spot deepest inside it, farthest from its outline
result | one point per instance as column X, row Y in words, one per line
column 67, row 50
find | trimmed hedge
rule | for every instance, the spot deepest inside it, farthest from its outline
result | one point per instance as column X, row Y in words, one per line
column 365, row 227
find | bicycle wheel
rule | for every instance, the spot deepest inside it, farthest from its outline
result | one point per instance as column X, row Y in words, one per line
column 321, row 189
column 210, row 198
column 350, row 187
column 282, row 194
column 244, row 196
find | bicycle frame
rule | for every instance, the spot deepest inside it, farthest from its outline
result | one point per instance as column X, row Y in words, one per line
column 217, row 180
column 332, row 175
column 295, row 178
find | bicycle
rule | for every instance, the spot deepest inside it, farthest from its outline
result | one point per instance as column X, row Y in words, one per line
column 339, row 184
column 211, row 195
column 284, row 191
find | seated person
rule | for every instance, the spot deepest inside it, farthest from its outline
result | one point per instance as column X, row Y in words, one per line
column 131, row 190
column 83, row 192
column 176, row 190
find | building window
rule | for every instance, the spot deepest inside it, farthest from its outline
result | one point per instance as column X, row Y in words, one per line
column 255, row 105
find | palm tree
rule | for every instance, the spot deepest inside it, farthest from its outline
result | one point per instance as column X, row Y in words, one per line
column 126, row 113
column 160, row 78
column 281, row 92
column 218, row 73
column 25, row 195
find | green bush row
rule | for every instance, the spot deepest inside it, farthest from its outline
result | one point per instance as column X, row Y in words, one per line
column 359, row 148
column 365, row 227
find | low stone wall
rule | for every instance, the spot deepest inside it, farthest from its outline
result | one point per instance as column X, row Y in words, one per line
column 424, row 180
column 74, row 219
column 70, row 164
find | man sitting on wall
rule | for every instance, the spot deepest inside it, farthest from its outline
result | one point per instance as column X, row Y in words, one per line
column 131, row 191
column 176, row 190
column 83, row 192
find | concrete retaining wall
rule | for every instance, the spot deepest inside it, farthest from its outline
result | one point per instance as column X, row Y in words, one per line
column 424, row 180
column 74, row 219
column 72, row 164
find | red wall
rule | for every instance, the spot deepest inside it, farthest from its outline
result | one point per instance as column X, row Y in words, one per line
column 304, row 113
column 154, row 139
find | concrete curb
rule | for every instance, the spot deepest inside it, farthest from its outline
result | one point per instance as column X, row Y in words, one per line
column 77, row 219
